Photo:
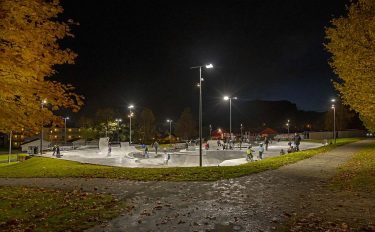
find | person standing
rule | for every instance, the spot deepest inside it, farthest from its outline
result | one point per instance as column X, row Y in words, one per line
column 109, row 149
column 146, row 152
column 266, row 141
column 166, row 157
column 297, row 141
column 261, row 150
column 54, row 150
column 249, row 154
column 156, row 146
column 58, row 151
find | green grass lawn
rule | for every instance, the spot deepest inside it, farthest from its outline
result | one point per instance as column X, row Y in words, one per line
column 4, row 157
column 358, row 174
column 47, row 167
column 31, row 209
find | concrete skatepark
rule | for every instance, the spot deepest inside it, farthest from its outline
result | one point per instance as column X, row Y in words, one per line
column 130, row 156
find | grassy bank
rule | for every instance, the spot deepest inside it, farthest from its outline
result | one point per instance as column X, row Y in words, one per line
column 30, row 209
column 358, row 174
column 46, row 167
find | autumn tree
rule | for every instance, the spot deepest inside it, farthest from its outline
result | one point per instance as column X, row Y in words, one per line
column 186, row 126
column 351, row 41
column 29, row 52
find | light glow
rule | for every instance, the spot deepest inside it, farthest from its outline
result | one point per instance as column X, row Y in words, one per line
column 209, row 66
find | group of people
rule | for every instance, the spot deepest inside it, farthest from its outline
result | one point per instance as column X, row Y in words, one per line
column 56, row 151
column 249, row 153
column 293, row 147
column 227, row 144
column 155, row 145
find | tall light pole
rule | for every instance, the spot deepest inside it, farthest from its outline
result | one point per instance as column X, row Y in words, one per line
column 118, row 120
column 334, row 119
column 241, row 128
column 210, row 131
column 41, row 133
column 131, row 114
column 170, row 129
column 226, row 98
column 65, row 118
column 200, row 108
column 288, row 124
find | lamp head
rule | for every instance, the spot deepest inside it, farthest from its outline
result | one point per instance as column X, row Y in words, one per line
column 130, row 107
column 209, row 66
column 226, row 98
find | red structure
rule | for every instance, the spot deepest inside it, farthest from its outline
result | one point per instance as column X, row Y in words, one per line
column 268, row 132
column 218, row 134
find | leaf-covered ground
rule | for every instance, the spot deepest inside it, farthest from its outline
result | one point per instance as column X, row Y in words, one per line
column 47, row 167
column 35, row 209
column 358, row 174
column 346, row 203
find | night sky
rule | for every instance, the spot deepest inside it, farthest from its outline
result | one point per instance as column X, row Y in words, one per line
column 141, row 52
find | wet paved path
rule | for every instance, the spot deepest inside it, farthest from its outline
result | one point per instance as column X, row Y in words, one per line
column 252, row 203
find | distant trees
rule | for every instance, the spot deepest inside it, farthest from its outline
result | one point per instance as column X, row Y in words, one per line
column 146, row 126
column 343, row 118
column 351, row 41
column 186, row 126
column 30, row 32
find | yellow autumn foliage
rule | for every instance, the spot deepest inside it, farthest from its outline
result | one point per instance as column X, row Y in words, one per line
column 351, row 41
column 29, row 51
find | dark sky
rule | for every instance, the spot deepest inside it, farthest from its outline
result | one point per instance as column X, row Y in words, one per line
column 140, row 52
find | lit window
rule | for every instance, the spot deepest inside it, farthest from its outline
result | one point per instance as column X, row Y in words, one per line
column 70, row 130
column 70, row 136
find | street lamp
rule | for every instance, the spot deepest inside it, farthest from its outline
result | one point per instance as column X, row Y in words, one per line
column 200, row 107
column 170, row 129
column 65, row 118
column 41, row 133
column 118, row 120
column 288, row 124
column 226, row 98
column 334, row 119
column 131, row 114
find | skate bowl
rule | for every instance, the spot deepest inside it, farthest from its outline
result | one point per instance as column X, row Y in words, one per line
column 130, row 156
column 209, row 158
